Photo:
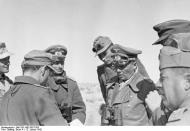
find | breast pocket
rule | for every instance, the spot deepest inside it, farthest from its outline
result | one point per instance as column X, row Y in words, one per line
column 123, row 96
column 133, row 110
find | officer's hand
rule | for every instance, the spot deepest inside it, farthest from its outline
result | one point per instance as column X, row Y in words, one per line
column 153, row 100
column 76, row 122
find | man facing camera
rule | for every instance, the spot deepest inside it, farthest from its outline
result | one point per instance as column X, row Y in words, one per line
column 125, row 103
column 65, row 89
column 103, row 46
column 110, row 77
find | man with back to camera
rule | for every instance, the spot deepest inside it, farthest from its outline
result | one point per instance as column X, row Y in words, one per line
column 29, row 102
column 66, row 90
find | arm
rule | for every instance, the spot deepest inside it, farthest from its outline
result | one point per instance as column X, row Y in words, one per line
column 78, row 105
column 47, row 111
column 102, row 86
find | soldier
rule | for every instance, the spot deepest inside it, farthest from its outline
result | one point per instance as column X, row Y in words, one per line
column 28, row 102
column 174, row 75
column 102, row 47
column 5, row 82
column 66, row 90
column 106, row 75
column 173, row 33
column 127, row 97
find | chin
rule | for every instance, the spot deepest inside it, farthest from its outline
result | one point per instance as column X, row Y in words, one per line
column 58, row 70
column 171, row 106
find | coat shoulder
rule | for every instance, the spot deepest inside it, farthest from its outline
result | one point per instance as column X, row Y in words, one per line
column 101, row 67
column 71, row 79
column 180, row 117
column 71, row 82
column 36, row 88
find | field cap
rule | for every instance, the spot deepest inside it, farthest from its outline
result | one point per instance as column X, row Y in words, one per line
column 101, row 44
column 3, row 51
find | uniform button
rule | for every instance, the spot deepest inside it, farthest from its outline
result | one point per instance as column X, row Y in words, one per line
column 129, row 105
column 131, row 96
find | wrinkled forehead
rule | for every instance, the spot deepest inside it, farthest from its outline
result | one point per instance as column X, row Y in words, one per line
column 168, row 72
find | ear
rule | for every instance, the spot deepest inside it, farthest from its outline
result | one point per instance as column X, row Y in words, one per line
column 187, row 81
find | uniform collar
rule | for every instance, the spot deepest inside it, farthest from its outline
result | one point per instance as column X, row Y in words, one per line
column 26, row 79
column 52, row 84
column 2, row 76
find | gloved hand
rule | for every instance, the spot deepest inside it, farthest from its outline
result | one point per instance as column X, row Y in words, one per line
column 145, row 86
column 76, row 122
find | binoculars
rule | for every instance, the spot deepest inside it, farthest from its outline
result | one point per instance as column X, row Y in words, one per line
column 111, row 116
column 66, row 112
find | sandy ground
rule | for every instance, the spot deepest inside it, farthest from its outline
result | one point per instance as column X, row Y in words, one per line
column 93, row 99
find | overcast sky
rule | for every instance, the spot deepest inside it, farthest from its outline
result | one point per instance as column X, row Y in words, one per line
column 37, row 24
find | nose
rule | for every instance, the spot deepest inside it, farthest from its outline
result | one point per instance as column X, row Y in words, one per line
column 61, row 66
column 159, row 87
column 158, row 84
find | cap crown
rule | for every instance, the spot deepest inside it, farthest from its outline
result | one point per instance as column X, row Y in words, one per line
column 57, row 50
column 37, row 57
column 169, row 28
column 172, row 57
column 123, row 51
column 101, row 43
column 3, row 51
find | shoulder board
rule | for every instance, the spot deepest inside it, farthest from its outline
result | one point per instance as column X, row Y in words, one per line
column 45, row 87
